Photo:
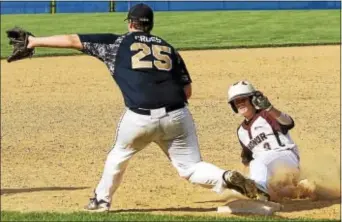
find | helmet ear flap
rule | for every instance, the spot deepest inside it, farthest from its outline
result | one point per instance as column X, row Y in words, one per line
column 233, row 107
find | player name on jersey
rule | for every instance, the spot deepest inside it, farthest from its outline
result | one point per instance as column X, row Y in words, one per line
column 257, row 140
column 144, row 38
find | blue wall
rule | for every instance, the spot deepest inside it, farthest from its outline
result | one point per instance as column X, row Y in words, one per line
column 22, row 7
column 81, row 6
column 25, row 7
column 123, row 6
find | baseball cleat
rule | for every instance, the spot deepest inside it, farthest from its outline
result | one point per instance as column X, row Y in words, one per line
column 97, row 206
column 243, row 185
column 262, row 193
column 263, row 196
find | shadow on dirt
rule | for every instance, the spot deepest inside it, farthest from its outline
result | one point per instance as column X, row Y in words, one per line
column 301, row 205
column 9, row 191
column 171, row 209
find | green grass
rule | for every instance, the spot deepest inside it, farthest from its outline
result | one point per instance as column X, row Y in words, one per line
column 35, row 216
column 193, row 30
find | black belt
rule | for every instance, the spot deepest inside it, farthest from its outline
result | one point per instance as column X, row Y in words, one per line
column 148, row 111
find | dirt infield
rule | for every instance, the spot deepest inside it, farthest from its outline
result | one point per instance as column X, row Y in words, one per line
column 59, row 115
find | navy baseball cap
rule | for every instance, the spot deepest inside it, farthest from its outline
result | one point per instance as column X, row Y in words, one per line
column 141, row 13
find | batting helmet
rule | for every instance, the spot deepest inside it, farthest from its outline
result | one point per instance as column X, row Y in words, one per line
column 239, row 90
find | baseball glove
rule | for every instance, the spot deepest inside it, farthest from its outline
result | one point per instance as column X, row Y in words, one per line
column 261, row 102
column 19, row 39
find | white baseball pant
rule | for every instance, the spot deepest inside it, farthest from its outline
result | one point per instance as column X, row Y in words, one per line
column 268, row 164
column 175, row 133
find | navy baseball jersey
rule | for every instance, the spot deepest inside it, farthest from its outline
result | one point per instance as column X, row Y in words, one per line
column 149, row 72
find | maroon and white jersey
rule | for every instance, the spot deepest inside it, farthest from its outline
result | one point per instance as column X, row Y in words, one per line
column 263, row 133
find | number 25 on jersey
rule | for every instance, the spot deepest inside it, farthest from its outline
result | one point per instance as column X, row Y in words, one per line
column 161, row 61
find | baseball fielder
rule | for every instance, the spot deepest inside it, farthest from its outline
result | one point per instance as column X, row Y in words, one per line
column 156, row 86
column 267, row 146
